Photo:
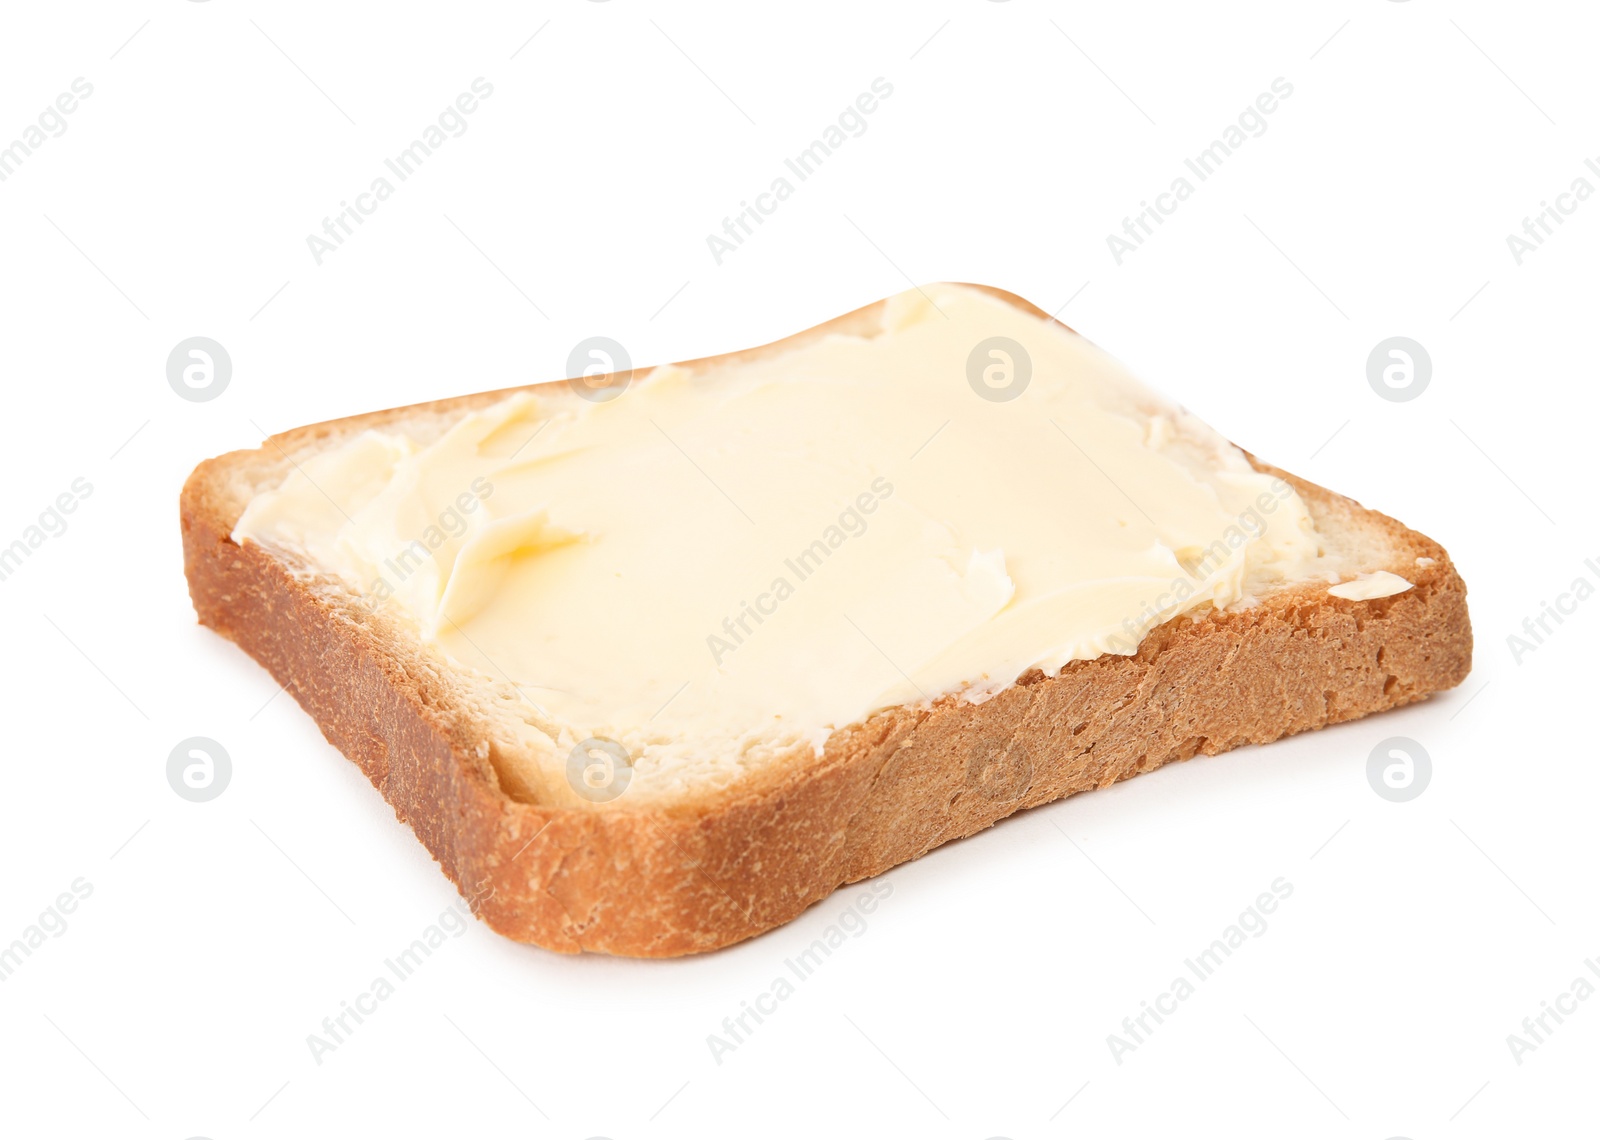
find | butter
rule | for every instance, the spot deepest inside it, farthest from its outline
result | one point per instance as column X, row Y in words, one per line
column 1365, row 587
column 730, row 561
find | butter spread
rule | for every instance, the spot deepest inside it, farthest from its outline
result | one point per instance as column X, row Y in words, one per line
column 730, row 560
column 1365, row 587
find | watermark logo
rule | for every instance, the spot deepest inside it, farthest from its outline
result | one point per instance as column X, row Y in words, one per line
column 599, row 769
column 199, row 369
column 999, row 773
column 998, row 369
column 599, row 369
column 199, row 769
column 1399, row 769
column 1399, row 369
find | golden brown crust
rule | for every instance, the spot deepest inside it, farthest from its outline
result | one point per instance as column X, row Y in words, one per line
column 658, row 882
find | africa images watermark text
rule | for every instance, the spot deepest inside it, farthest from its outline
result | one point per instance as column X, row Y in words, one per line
column 850, row 123
column 451, row 123
column 1250, row 123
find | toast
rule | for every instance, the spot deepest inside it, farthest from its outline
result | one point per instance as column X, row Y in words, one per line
column 703, row 851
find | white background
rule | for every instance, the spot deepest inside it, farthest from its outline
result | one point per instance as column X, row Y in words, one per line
column 978, row 1001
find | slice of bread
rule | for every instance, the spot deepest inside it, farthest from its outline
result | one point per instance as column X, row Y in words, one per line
column 705, row 860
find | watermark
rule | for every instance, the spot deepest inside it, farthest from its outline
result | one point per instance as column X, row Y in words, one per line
column 599, row 358
column 1550, row 616
column 1399, row 369
column 599, row 769
column 1200, row 563
column 738, row 1028
column 1250, row 123
column 1537, row 1030
column 199, row 369
column 1138, row 1028
column 199, row 769
column 51, row 124
column 1543, row 225
column 51, row 523
column 451, row 123
column 850, row 123
column 1248, row 525
column 51, row 923
column 447, row 524
column 1000, row 771
column 998, row 369
column 1399, row 769
column 338, row 1028
column 850, row 523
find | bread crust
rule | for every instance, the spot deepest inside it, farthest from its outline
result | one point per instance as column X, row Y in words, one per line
column 661, row 881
